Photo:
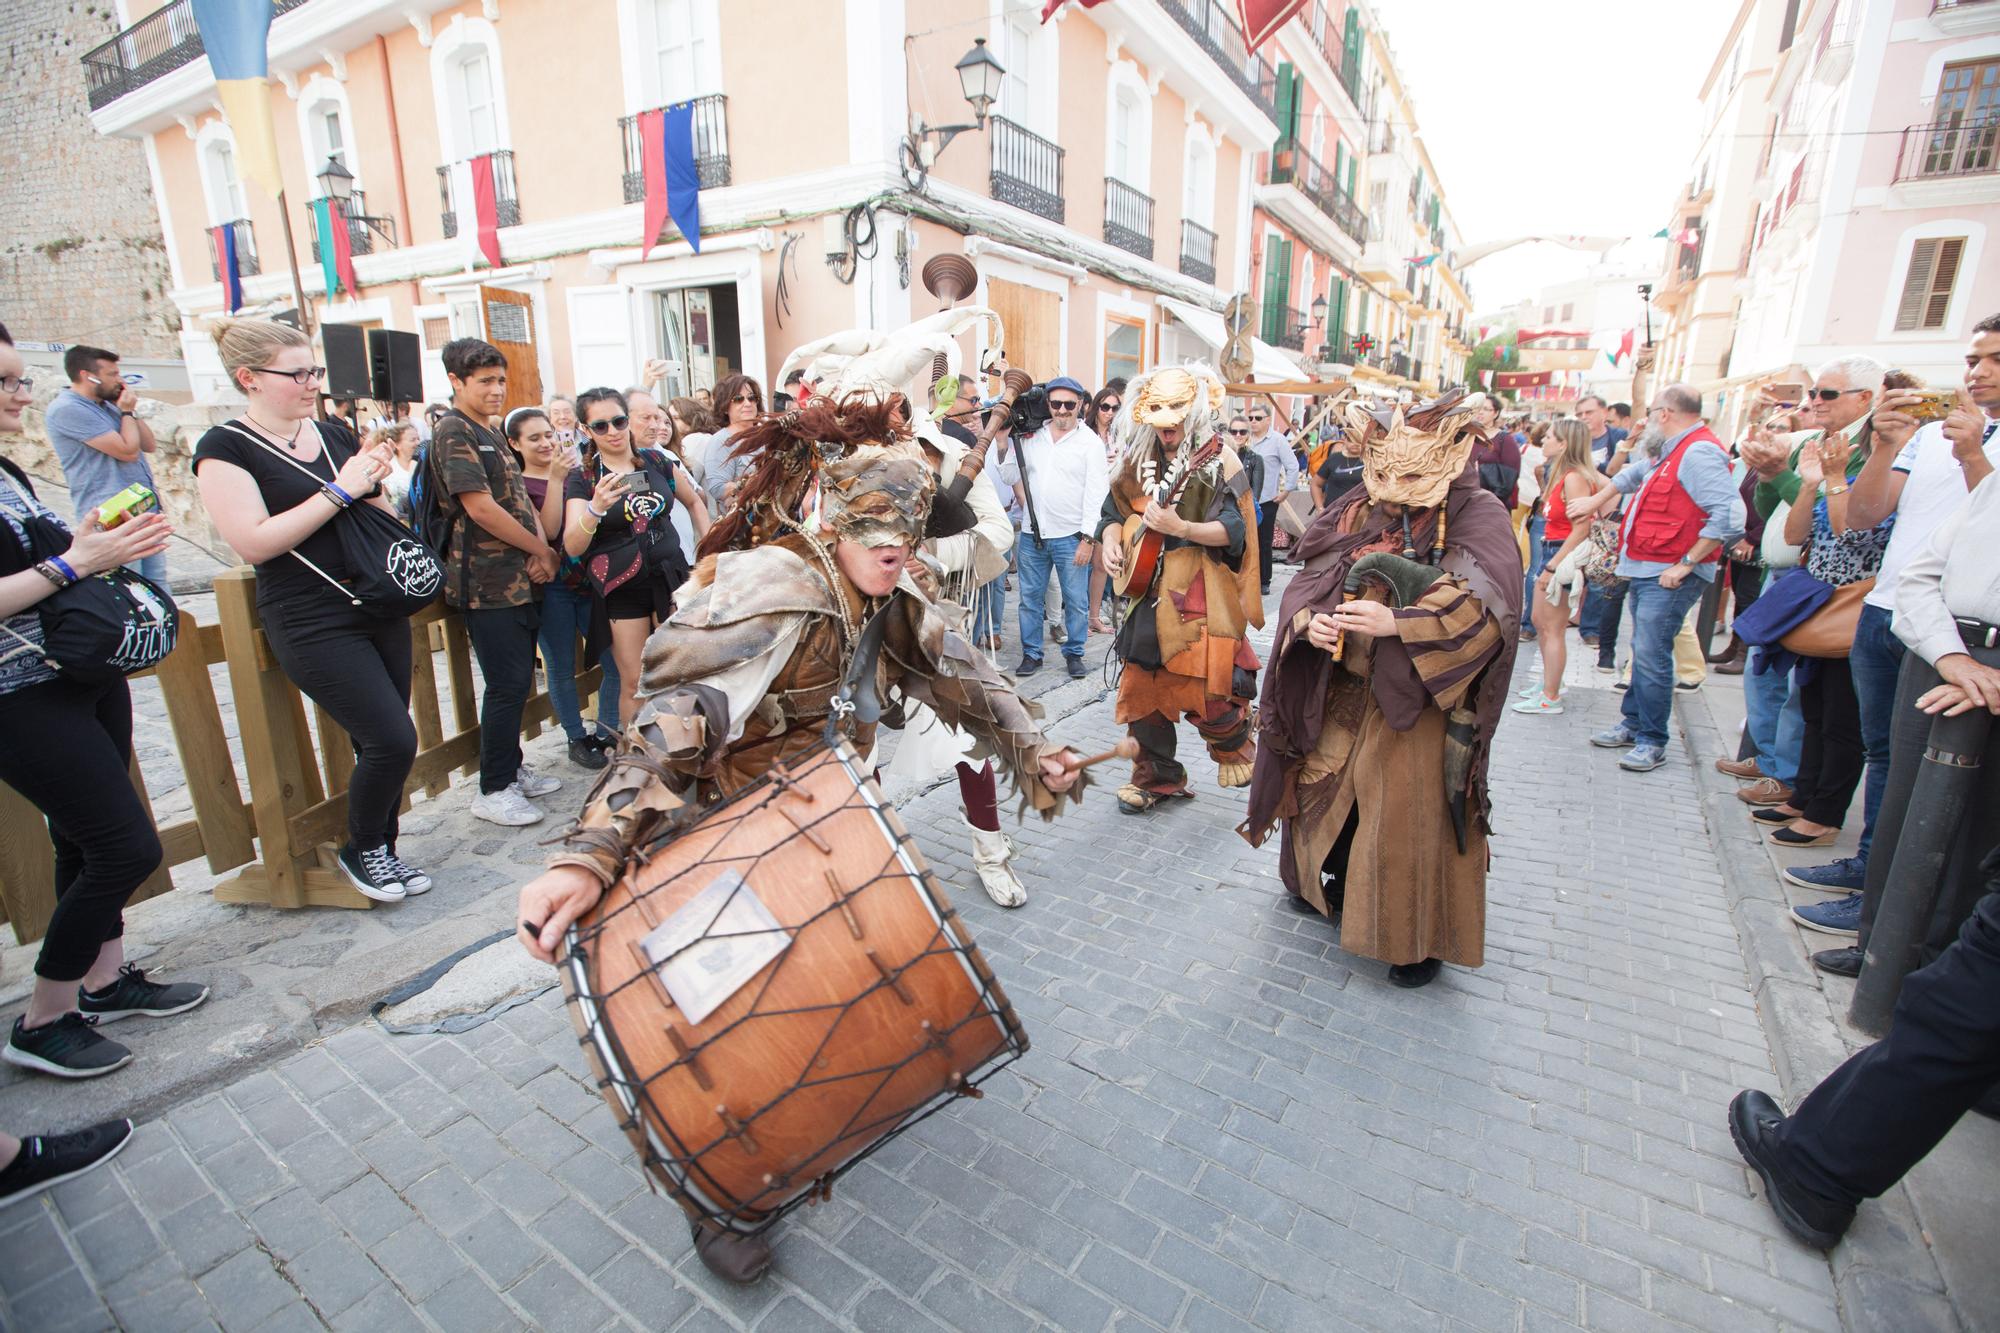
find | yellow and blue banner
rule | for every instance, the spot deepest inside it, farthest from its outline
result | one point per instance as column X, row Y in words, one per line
column 236, row 34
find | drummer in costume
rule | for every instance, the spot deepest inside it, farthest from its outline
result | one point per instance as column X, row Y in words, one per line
column 1389, row 672
column 967, row 544
column 744, row 675
column 1184, row 641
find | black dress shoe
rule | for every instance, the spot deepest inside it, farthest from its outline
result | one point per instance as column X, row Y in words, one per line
column 1077, row 671
column 1771, row 815
column 733, row 1258
column 1839, row 962
column 1753, row 1122
column 1029, row 666
column 1412, row 975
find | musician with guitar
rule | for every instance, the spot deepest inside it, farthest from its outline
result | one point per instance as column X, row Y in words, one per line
column 1178, row 530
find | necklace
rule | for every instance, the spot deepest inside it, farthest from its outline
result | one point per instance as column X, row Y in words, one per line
column 290, row 442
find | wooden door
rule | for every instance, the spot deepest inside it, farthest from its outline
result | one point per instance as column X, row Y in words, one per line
column 507, row 320
column 1030, row 320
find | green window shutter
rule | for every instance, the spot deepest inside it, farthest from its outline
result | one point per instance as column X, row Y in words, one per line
column 1288, row 103
column 1336, row 316
column 1285, row 276
column 1277, row 261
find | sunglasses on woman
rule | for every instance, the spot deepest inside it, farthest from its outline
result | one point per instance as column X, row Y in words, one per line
column 1234, row 431
column 1109, row 407
column 609, row 424
column 749, row 398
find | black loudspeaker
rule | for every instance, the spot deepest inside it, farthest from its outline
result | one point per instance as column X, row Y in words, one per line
column 395, row 365
column 346, row 361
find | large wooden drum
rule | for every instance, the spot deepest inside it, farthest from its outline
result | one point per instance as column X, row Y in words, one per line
column 772, row 993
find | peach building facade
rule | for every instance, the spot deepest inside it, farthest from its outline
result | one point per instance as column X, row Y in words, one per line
column 1120, row 191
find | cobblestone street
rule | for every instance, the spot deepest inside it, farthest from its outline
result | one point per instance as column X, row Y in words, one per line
column 1225, row 1122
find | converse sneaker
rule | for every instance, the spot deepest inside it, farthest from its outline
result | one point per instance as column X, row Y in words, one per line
column 47, row 1160
column 506, row 806
column 414, row 881
column 533, row 784
column 70, row 1047
column 372, row 873
column 131, row 995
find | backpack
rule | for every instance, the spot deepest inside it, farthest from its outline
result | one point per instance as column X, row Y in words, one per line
column 429, row 515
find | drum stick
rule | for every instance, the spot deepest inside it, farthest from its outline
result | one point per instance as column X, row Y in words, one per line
column 1125, row 749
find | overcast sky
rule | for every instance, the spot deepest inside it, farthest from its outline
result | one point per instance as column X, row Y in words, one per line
column 1573, row 117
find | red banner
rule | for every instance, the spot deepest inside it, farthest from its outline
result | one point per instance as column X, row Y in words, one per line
column 1521, row 379
column 1536, row 335
column 486, row 208
column 1262, row 18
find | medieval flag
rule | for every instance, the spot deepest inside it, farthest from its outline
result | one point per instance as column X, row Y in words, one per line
column 227, row 266
column 673, row 185
column 235, row 34
column 485, row 207
column 1262, row 18
column 336, row 253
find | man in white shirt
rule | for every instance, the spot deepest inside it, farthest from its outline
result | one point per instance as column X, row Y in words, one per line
column 1061, row 495
column 1281, row 477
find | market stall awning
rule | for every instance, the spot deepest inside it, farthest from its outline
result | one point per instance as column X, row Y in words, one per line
column 1267, row 363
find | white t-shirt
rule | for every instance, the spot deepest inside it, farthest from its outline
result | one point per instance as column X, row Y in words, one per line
column 1933, row 489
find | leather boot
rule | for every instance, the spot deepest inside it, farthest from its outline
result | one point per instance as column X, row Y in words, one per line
column 990, row 854
column 733, row 1258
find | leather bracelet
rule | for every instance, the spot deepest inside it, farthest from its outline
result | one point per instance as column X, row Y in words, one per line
column 341, row 499
column 57, row 571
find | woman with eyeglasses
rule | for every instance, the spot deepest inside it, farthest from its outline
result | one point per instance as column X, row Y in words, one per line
column 739, row 402
column 569, row 612
column 616, row 520
column 273, row 481
column 1102, row 412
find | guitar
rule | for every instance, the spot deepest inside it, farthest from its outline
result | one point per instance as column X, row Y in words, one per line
column 1143, row 546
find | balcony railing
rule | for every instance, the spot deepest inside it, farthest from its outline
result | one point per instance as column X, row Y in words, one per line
column 1197, row 251
column 1949, row 148
column 1292, row 164
column 1284, row 327
column 1027, row 169
column 246, row 251
column 506, row 196
column 711, row 147
column 362, row 227
column 1400, row 365
column 1689, row 264
column 156, row 45
column 1128, row 218
column 1214, row 30
column 1331, row 38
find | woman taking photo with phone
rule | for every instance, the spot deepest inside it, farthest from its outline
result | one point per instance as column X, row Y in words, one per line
column 617, row 520
column 273, row 481
column 568, row 609
column 66, row 747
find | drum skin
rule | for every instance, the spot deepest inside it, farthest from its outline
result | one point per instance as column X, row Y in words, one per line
column 833, row 1045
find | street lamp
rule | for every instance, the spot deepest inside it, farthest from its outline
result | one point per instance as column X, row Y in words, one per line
column 979, row 76
column 336, row 182
column 1319, row 310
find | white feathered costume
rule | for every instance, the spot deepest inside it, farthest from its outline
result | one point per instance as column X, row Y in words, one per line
column 905, row 361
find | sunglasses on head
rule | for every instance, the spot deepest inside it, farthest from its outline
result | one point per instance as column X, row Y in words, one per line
column 609, row 424
column 1831, row 395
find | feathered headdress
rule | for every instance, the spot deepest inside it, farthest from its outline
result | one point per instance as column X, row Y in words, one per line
column 907, row 361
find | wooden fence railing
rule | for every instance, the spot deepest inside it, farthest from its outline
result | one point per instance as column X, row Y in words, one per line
column 296, row 774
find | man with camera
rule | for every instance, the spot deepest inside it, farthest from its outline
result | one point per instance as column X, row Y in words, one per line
column 1059, row 473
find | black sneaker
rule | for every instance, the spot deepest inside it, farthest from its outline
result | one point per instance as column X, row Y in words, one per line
column 1077, row 671
column 1839, row 962
column 134, row 996
column 413, row 880
column 372, row 873
column 1029, row 666
column 46, row 1160
column 70, row 1047
column 585, row 752
column 1754, row 1120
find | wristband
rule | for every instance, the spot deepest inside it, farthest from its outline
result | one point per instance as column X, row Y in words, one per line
column 57, row 571
column 1837, row 490
column 333, row 492
column 591, row 509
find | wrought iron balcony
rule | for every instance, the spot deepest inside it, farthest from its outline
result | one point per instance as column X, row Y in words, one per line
column 1284, row 327
column 711, row 147
column 1027, row 169
column 1197, row 251
column 1213, row 26
column 1331, row 38
column 1949, row 148
column 1128, row 218
column 506, row 195
column 155, row 46
column 362, row 227
column 1292, row 164
column 246, row 251
column 1400, row 365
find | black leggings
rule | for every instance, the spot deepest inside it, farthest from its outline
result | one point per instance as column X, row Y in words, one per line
column 66, row 747
column 1832, row 759
column 357, row 667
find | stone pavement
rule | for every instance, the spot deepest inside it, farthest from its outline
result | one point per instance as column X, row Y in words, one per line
column 1225, row 1122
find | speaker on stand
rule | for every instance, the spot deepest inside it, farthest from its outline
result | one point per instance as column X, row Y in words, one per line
column 395, row 367
column 346, row 347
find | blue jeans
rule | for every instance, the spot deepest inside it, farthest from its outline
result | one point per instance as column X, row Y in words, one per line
column 153, row 567
column 1538, row 554
column 1657, row 612
column 565, row 619
column 989, row 609
column 1769, row 707
column 1875, row 662
column 1036, row 558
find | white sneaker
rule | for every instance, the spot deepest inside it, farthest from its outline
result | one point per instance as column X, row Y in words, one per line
column 414, row 880
column 533, row 784
column 507, row 806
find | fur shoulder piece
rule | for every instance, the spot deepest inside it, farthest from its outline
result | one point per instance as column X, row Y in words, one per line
column 764, row 580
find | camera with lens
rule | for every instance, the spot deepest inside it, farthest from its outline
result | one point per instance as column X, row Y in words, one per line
column 1031, row 412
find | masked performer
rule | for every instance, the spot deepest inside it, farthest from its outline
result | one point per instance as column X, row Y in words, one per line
column 1389, row 673
column 1183, row 641
column 966, row 544
column 743, row 676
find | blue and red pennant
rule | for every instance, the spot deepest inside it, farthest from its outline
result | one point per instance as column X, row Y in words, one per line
column 673, row 185
column 223, row 238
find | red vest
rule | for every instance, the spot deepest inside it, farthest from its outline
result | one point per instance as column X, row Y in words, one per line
column 1664, row 522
